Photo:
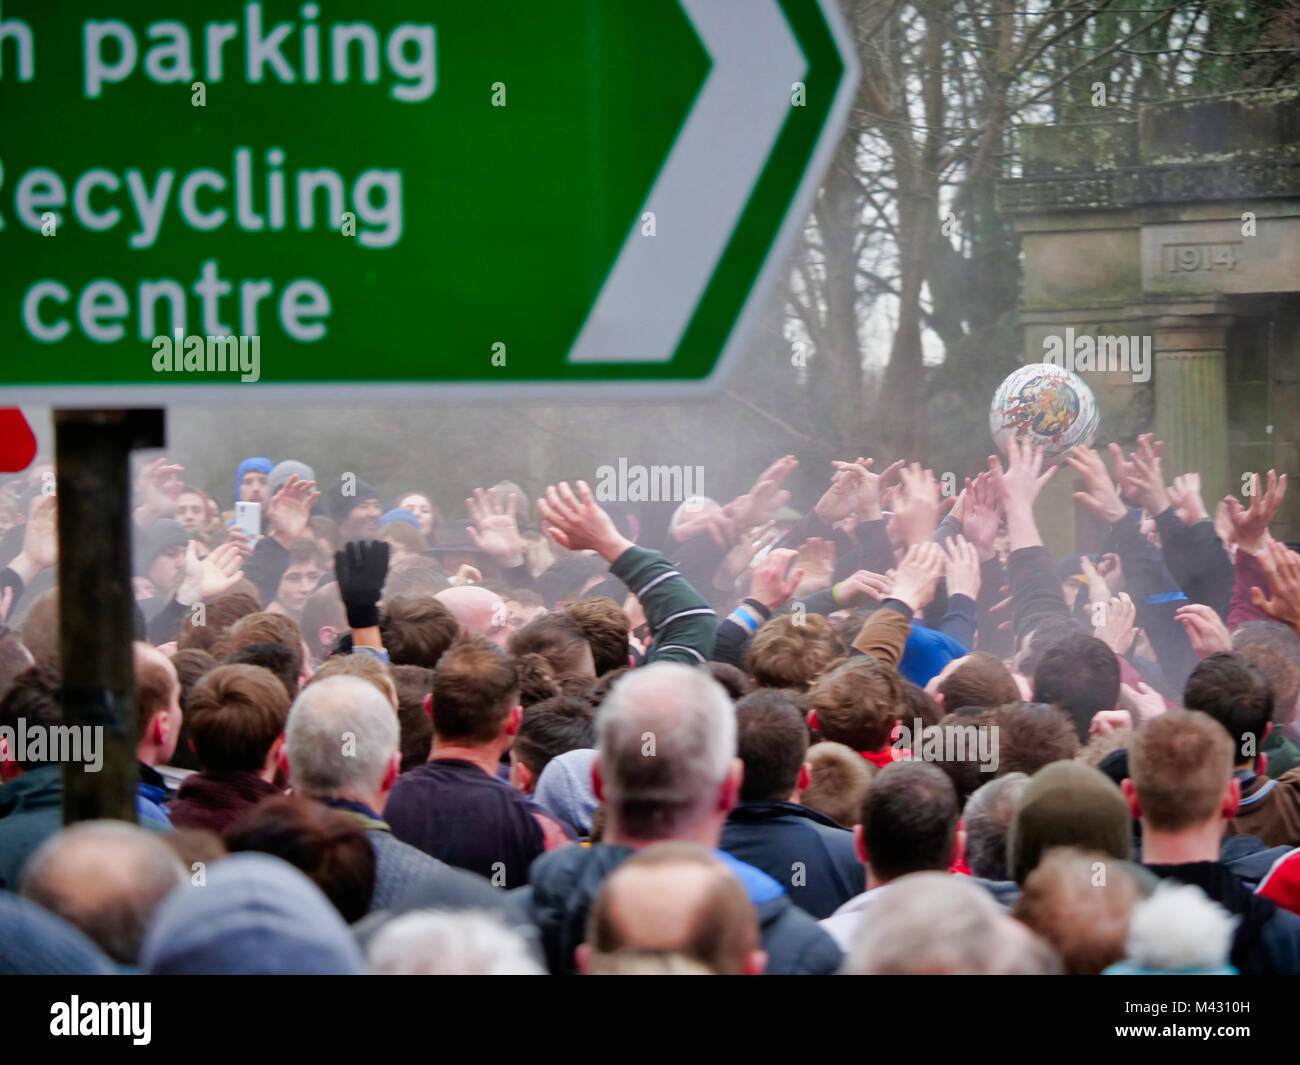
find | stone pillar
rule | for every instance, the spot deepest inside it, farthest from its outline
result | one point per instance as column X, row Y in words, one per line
column 1191, row 415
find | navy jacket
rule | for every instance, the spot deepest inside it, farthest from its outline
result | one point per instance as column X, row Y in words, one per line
column 807, row 852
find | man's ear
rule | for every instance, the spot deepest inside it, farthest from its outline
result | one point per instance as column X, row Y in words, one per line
column 938, row 698
column 958, row 846
column 582, row 958
column 756, row 963
column 392, row 772
column 812, row 720
column 860, row 845
column 1231, row 799
column 427, row 703
column 515, row 720
column 597, row 784
column 729, row 794
column 1131, row 797
column 805, row 777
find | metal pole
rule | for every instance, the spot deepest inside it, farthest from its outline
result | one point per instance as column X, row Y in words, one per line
column 96, row 604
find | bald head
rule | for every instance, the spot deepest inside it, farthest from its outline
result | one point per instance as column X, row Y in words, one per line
column 105, row 877
column 675, row 899
column 478, row 611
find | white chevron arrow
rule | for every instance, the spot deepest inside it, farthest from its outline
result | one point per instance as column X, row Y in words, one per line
column 656, row 283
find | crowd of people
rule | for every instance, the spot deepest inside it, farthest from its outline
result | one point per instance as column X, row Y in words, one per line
column 891, row 733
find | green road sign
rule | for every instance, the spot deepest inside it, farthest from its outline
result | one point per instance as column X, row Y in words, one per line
column 232, row 199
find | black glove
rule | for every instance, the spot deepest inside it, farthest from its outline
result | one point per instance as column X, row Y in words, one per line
column 360, row 569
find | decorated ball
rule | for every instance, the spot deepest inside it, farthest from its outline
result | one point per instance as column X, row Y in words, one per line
column 1047, row 404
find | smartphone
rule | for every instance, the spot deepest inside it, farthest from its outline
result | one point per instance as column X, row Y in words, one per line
column 248, row 516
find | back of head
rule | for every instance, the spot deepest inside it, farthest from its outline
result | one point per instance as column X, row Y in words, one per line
column 106, row 878
column 372, row 670
column 262, row 627
column 786, row 653
column 606, row 627
column 340, row 737
column 474, row 688
column 909, row 820
column 235, row 714
column 1237, row 694
column 666, row 735
column 979, row 679
column 417, row 630
column 285, row 662
column 1178, row 930
column 218, row 615
column 1080, row 903
column 734, row 679
column 1283, row 676
column 14, row 658
column 323, row 610
column 558, row 639
column 1050, row 630
column 674, row 899
column 1080, row 674
column 414, row 575
column 839, row 781
column 414, row 685
column 771, row 739
column 255, row 914
column 1180, row 764
column 330, row 847
column 858, row 703
column 938, row 924
column 32, row 700
column 40, row 629
column 425, row 943
column 1030, row 736
column 1068, row 804
column 987, row 819
column 553, row 727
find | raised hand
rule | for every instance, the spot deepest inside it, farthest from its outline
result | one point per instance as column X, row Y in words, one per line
column 1185, row 495
column 209, row 577
column 980, row 515
column 1250, row 524
column 1282, row 565
column 1205, row 629
column 916, row 504
column 861, row 586
column 495, row 528
column 1112, row 623
column 761, row 502
column 1149, row 481
column 817, row 562
column 158, row 487
column 738, row 559
column 361, row 567
column 289, row 510
column 962, row 567
column 772, row 584
column 918, row 574
column 1142, row 701
column 1101, row 497
column 579, row 523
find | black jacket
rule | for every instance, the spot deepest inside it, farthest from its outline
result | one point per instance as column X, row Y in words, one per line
column 565, row 881
column 1267, row 939
column 807, row 852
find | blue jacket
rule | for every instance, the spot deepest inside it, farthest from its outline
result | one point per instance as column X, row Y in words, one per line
column 565, row 881
column 806, row 851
